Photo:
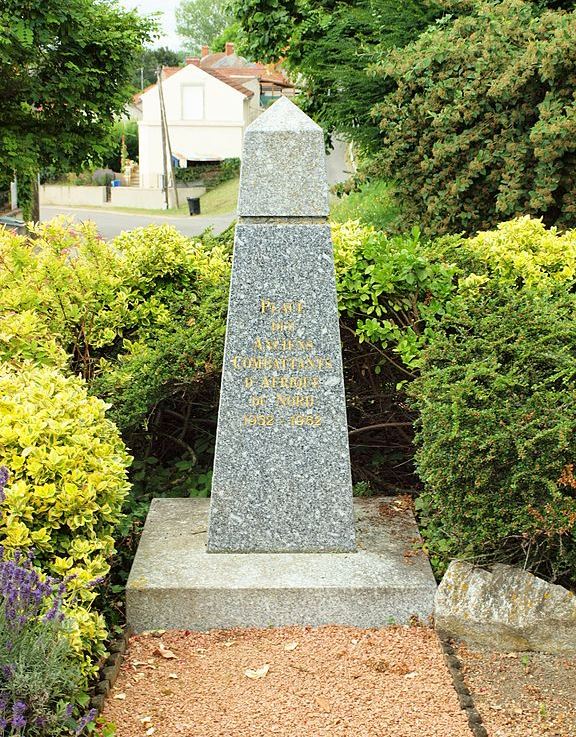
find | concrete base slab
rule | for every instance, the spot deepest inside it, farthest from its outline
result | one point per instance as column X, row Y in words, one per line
column 175, row 584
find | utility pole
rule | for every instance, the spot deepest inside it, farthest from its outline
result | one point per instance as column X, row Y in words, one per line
column 163, row 131
column 169, row 145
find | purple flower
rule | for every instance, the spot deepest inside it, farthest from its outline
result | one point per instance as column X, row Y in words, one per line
column 18, row 720
column 86, row 719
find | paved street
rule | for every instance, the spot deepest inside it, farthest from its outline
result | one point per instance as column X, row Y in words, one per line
column 338, row 165
column 110, row 223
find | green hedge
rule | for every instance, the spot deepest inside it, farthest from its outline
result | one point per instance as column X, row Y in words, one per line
column 497, row 431
column 481, row 126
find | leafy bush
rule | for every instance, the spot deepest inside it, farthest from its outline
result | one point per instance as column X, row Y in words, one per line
column 390, row 289
column 521, row 252
column 497, row 431
column 67, row 483
column 210, row 174
column 116, row 308
column 482, row 124
column 373, row 203
column 40, row 676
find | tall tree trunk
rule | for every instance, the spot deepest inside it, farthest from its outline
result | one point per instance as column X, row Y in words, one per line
column 35, row 199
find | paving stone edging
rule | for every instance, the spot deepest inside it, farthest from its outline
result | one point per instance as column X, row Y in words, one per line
column 109, row 670
column 463, row 692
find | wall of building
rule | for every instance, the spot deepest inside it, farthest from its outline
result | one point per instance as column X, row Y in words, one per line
column 215, row 133
column 188, row 141
column 58, row 194
column 150, row 199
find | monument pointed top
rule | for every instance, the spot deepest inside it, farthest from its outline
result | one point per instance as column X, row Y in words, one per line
column 283, row 115
column 283, row 170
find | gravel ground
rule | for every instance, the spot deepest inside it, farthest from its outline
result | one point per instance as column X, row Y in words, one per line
column 522, row 694
column 292, row 681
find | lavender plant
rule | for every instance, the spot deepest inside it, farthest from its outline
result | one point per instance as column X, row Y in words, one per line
column 40, row 676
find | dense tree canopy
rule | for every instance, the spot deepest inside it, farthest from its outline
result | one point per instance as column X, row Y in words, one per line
column 330, row 47
column 64, row 76
column 147, row 63
column 482, row 123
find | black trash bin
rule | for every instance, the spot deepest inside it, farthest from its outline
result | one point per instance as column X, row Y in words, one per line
column 193, row 205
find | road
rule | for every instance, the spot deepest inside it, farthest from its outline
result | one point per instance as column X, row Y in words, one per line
column 338, row 165
column 111, row 222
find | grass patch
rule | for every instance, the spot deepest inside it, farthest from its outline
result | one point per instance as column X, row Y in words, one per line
column 221, row 200
column 373, row 204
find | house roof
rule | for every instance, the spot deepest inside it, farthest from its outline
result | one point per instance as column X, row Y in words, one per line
column 258, row 71
column 168, row 72
column 233, row 65
column 234, row 83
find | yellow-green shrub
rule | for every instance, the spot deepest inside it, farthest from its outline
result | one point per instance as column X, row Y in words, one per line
column 24, row 336
column 67, row 483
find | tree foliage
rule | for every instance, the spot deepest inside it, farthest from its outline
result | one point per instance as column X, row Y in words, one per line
column 200, row 22
column 482, row 123
column 330, row 46
column 64, row 76
column 148, row 61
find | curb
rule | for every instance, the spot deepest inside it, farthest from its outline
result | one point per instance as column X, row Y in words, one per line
column 462, row 691
column 109, row 671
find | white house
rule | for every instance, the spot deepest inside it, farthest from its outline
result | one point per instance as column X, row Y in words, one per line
column 207, row 112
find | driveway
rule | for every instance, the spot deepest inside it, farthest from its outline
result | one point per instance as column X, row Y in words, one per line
column 111, row 223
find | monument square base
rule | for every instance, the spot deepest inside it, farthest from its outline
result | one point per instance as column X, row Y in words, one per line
column 175, row 584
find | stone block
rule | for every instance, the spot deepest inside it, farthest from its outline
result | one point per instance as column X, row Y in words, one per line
column 505, row 610
column 176, row 584
column 282, row 478
column 283, row 170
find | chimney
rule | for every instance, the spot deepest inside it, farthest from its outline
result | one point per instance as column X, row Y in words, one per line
column 205, row 51
column 229, row 48
column 193, row 60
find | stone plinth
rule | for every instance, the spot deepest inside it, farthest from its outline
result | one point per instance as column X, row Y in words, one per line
column 176, row 584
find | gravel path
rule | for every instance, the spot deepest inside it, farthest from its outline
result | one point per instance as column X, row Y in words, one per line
column 292, row 681
column 522, row 694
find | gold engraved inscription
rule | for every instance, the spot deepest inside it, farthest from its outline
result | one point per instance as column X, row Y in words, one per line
column 287, row 353
column 290, row 382
column 283, row 344
column 295, row 400
column 264, row 363
column 267, row 306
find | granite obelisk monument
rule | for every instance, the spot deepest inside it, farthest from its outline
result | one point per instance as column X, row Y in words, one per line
column 276, row 543
column 282, row 466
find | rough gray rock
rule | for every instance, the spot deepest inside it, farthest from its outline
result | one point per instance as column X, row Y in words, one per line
column 506, row 609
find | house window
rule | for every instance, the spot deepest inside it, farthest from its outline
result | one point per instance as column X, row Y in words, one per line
column 192, row 103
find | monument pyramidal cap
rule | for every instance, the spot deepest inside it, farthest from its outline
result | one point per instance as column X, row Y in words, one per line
column 276, row 543
column 282, row 478
column 283, row 165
